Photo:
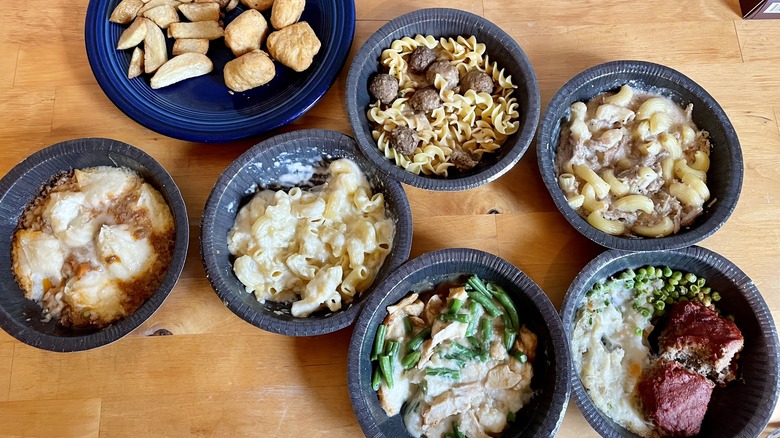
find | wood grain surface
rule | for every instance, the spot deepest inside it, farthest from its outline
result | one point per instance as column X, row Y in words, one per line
column 219, row 376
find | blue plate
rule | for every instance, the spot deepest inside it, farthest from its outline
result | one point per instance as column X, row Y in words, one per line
column 203, row 109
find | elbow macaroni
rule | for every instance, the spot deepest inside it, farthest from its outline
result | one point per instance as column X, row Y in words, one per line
column 633, row 163
column 317, row 248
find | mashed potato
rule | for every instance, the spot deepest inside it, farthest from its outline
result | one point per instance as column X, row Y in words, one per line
column 93, row 246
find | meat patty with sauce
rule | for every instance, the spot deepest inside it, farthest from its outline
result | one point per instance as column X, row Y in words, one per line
column 478, row 81
column 421, row 58
column 404, row 140
column 384, row 88
column 425, row 99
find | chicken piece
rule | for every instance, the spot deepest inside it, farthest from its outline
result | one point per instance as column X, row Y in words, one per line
column 246, row 33
column 502, row 377
column 445, row 405
column 471, row 427
column 432, row 309
column 453, row 330
column 249, row 70
column 260, row 5
column 491, row 419
column 294, row 46
column 286, row 12
column 526, row 342
column 497, row 350
column 409, row 300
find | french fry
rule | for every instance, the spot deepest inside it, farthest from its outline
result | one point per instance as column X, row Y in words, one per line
column 209, row 30
column 188, row 45
column 136, row 63
column 156, row 52
column 178, row 68
column 163, row 15
column 200, row 11
column 133, row 35
column 126, row 11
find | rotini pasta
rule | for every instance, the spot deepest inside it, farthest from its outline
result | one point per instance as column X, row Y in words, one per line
column 633, row 163
column 468, row 120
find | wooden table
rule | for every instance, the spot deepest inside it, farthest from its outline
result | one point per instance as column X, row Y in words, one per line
column 219, row 376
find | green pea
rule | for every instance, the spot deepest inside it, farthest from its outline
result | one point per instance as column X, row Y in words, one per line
column 667, row 271
column 715, row 296
column 677, row 275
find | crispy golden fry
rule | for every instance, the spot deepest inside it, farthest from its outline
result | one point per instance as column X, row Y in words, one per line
column 260, row 5
column 136, row 63
column 189, row 45
column 286, row 12
column 126, row 11
column 249, row 70
column 294, row 46
column 154, row 44
column 231, row 5
column 200, row 11
column 155, row 3
column 163, row 15
column 133, row 35
column 246, row 33
column 209, row 30
column 185, row 66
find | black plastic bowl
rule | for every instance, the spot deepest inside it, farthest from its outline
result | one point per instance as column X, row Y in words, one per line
column 22, row 318
column 542, row 416
column 501, row 48
column 261, row 167
column 726, row 167
column 744, row 407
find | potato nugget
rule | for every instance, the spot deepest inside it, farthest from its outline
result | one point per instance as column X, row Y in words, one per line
column 156, row 53
column 249, row 70
column 185, row 66
column 260, row 5
column 209, row 30
column 286, row 12
column 136, row 63
column 133, row 35
column 294, row 46
column 246, row 33
column 200, row 11
column 190, row 45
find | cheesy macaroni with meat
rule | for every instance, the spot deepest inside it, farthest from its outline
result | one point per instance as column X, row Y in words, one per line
column 93, row 246
column 634, row 164
column 316, row 248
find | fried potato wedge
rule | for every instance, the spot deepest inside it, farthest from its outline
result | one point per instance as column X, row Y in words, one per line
column 221, row 3
column 155, row 51
column 188, row 45
column 246, row 33
column 294, row 46
column 163, row 15
column 155, row 3
column 209, row 30
column 136, row 63
column 200, row 11
column 126, row 11
column 133, row 35
column 249, row 70
column 231, row 5
column 260, row 5
column 286, row 12
column 179, row 68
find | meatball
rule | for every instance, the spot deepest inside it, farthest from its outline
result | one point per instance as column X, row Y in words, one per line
column 462, row 159
column 384, row 88
column 425, row 99
column 404, row 140
column 421, row 58
column 446, row 70
column 478, row 81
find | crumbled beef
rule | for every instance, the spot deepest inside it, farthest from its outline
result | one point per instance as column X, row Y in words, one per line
column 384, row 88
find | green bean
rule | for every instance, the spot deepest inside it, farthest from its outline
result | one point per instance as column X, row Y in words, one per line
column 486, row 330
column 443, row 372
column 459, row 317
column 376, row 379
column 457, row 433
column 511, row 417
column 509, row 339
column 501, row 296
column 455, row 305
column 379, row 342
column 486, row 303
column 519, row 355
column 387, row 370
column 391, row 348
column 416, row 341
column 473, row 309
column 408, row 328
column 474, row 342
column 410, row 360
column 478, row 285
